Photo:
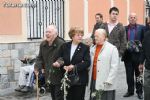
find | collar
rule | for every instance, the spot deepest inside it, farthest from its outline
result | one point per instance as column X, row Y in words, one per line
column 132, row 26
column 112, row 24
column 94, row 47
column 54, row 43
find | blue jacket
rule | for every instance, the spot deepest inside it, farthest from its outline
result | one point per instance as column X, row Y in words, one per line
column 140, row 29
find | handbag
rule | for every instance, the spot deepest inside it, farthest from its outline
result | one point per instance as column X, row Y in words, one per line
column 73, row 77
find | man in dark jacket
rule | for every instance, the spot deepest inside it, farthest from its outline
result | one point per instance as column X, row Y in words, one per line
column 48, row 54
column 131, row 57
column 145, row 57
column 99, row 23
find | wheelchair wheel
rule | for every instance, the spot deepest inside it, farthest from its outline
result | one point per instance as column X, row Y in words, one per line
column 42, row 91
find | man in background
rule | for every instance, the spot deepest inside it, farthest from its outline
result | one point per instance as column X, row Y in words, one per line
column 99, row 23
column 135, row 33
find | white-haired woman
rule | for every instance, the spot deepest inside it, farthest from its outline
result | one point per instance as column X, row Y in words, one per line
column 103, row 72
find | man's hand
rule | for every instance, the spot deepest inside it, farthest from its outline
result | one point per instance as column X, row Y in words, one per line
column 36, row 71
column 141, row 66
column 56, row 64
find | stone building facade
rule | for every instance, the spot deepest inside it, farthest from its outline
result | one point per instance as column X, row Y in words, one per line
column 10, row 53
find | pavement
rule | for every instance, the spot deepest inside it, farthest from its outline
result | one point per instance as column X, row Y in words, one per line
column 120, row 91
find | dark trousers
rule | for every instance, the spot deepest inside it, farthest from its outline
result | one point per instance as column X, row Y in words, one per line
column 108, row 95
column 147, row 84
column 92, row 90
column 105, row 95
column 131, row 67
column 76, row 92
column 56, row 93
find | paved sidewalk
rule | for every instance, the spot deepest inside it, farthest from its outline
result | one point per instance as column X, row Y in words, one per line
column 122, row 85
column 121, row 90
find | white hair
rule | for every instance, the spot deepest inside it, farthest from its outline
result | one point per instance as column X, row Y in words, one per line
column 101, row 31
column 54, row 28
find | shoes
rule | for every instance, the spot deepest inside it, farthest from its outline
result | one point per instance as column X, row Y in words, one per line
column 24, row 61
column 19, row 88
column 128, row 94
column 26, row 89
column 140, row 96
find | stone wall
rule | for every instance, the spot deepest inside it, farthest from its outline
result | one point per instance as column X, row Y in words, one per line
column 10, row 53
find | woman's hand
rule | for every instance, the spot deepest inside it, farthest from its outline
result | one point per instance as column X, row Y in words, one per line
column 69, row 68
column 107, row 83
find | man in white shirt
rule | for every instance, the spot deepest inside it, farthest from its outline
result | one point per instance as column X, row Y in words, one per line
column 116, row 31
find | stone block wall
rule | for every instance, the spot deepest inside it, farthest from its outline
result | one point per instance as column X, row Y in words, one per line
column 10, row 53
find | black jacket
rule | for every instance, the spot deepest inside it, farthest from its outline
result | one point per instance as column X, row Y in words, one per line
column 97, row 26
column 81, row 59
column 146, row 51
column 47, row 56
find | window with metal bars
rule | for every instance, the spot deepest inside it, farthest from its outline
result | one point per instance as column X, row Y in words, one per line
column 42, row 14
column 147, row 8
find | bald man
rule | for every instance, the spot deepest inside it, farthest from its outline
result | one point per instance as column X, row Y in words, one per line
column 48, row 54
column 103, row 70
column 135, row 32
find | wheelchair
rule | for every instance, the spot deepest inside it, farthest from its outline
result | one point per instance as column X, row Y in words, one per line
column 42, row 84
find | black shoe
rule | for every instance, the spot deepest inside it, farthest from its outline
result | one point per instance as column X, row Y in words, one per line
column 19, row 88
column 128, row 94
column 26, row 89
column 140, row 96
column 24, row 61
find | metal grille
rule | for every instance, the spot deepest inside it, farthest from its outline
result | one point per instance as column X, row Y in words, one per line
column 147, row 8
column 44, row 13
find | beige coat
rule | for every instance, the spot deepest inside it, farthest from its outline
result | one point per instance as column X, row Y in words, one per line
column 107, row 66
